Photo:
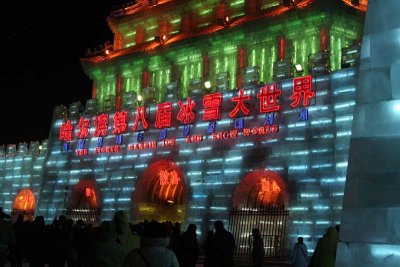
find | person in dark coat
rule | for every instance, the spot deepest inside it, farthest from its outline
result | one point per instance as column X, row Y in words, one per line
column 224, row 245
column 58, row 242
column 209, row 249
column 125, row 236
column 17, row 251
column 175, row 240
column 153, row 249
column 104, row 250
column 6, row 236
column 190, row 247
column 36, row 242
column 257, row 252
column 81, row 238
column 4, row 215
column 325, row 252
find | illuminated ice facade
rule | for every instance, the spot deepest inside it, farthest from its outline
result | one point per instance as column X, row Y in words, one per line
column 21, row 167
column 309, row 155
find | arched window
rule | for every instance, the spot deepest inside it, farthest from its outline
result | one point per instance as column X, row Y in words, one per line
column 160, row 193
column 260, row 188
column 83, row 202
column 24, row 204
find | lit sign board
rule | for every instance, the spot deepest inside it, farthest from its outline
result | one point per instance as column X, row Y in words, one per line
column 212, row 109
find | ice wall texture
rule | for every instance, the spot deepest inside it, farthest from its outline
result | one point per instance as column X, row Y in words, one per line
column 310, row 156
column 370, row 228
column 21, row 167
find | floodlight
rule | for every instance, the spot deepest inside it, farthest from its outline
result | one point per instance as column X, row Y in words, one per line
column 288, row 3
column 161, row 38
column 224, row 21
column 207, row 84
column 298, row 68
column 227, row 19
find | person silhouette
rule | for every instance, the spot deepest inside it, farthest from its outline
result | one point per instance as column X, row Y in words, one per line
column 209, row 249
column 257, row 252
column 325, row 252
column 300, row 254
column 4, row 215
column 6, row 236
column 153, row 249
column 190, row 247
column 224, row 245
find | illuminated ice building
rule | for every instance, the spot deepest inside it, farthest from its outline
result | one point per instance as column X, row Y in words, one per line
column 239, row 110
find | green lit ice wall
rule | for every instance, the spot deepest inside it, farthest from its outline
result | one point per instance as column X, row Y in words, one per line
column 132, row 76
column 183, row 62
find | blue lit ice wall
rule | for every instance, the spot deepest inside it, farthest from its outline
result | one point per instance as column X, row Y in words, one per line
column 21, row 167
column 310, row 156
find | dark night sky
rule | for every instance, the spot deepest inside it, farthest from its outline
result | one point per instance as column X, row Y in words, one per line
column 42, row 43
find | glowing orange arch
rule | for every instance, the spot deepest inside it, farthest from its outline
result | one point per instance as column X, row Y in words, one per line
column 161, row 182
column 260, row 188
column 24, row 201
column 83, row 195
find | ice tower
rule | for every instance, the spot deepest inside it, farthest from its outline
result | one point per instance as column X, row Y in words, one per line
column 370, row 224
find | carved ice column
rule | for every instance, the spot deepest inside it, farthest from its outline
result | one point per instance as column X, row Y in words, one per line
column 370, row 224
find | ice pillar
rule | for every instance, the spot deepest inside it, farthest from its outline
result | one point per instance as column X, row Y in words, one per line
column 370, row 224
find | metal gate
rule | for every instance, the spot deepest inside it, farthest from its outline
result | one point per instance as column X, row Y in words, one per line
column 91, row 216
column 270, row 220
column 27, row 214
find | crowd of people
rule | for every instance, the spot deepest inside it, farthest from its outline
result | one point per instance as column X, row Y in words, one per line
column 118, row 243
column 114, row 243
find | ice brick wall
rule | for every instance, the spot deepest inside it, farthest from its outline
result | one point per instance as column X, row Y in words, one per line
column 370, row 219
column 310, row 156
column 21, row 167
